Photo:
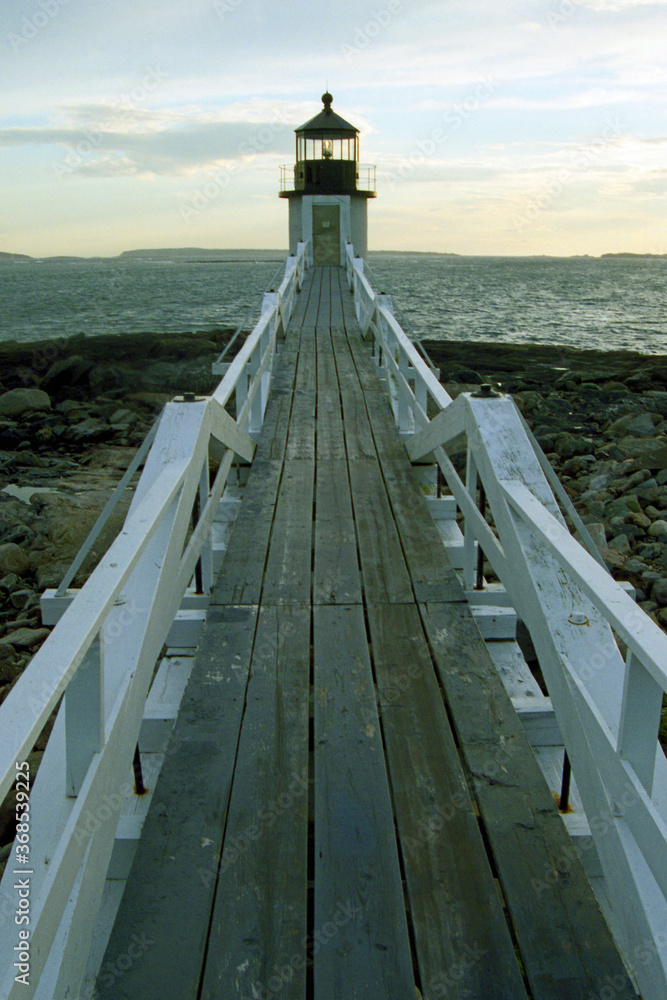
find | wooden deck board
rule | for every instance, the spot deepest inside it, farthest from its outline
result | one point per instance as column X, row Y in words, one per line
column 456, row 911
column 288, row 566
column 242, row 575
column 336, row 576
column 565, row 946
column 313, row 305
column 330, row 435
column 260, row 917
column 303, row 298
column 301, row 435
column 169, row 897
column 385, row 575
column 358, row 891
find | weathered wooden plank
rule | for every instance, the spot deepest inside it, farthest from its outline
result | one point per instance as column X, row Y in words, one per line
column 464, row 948
column 337, row 276
column 361, row 945
column 565, row 945
column 288, row 566
column 259, row 921
column 433, row 576
column 324, row 313
column 385, row 575
column 241, row 575
column 299, row 310
column 242, row 572
column 313, row 305
column 169, row 895
column 387, row 440
column 273, row 438
column 336, row 577
column 330, row 436
column 301, row 436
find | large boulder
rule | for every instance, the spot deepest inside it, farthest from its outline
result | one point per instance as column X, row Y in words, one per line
column 66, row 373
column 16, row 402
column 648, row 452
column 13, row 560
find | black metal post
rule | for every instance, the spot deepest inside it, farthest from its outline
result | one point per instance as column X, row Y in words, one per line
column 479, row 584
column 139, row 786
column 199, row 576
column 564, row 803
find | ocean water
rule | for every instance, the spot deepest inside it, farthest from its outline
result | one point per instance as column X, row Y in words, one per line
column 603, row 303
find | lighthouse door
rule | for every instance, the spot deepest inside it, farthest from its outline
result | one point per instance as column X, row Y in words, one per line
column 326, row 235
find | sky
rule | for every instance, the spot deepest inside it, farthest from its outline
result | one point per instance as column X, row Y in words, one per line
column 497, row 127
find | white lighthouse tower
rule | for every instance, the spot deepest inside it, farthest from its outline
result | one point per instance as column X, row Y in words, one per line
column 327, row 188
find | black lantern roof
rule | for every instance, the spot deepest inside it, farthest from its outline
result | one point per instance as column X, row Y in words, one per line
column 328, row 121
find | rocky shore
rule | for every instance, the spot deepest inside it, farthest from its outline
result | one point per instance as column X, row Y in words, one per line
column 73, row 412
column 601, row 418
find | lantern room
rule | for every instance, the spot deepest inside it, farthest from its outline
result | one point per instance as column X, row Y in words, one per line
column 327, row 187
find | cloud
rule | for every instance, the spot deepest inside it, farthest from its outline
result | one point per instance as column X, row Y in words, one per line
column 111, row 140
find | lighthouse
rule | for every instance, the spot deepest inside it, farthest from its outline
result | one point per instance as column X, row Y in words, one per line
column 327, row 188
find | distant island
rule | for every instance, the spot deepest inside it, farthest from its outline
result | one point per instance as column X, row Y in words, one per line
column 649, row 256
column 187, row 254
column 206, row 255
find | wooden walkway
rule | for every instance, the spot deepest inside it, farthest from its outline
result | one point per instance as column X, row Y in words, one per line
column 349, row 808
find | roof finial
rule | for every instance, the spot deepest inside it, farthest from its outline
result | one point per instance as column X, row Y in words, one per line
column 326, row 101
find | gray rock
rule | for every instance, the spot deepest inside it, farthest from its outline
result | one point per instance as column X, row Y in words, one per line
column 50, row 575
column 650, row 453
column 13, row 560
column 25, row 638
column 650, row 550
column 16, row 402
column 632, row 424
column 656, row 401
column 620, row 544
column 659, row 592
column 622, row 506
column 568, row 445
column 90, row 430
column 20, row 598
column 636, row 566
column 10, row 668
column 658, row 529
column 66, row 372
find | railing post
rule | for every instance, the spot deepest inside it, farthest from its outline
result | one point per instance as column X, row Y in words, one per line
column 84, row 718
column 640, row 721
column 421, row 392
column 206, row 557
column 469, row 552
column 405, row 424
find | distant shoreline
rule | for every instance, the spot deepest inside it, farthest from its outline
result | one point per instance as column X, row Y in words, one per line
column 207, row 255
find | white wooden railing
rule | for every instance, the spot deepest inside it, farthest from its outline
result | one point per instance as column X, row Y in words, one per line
column 101, row 656
column 607, row 704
